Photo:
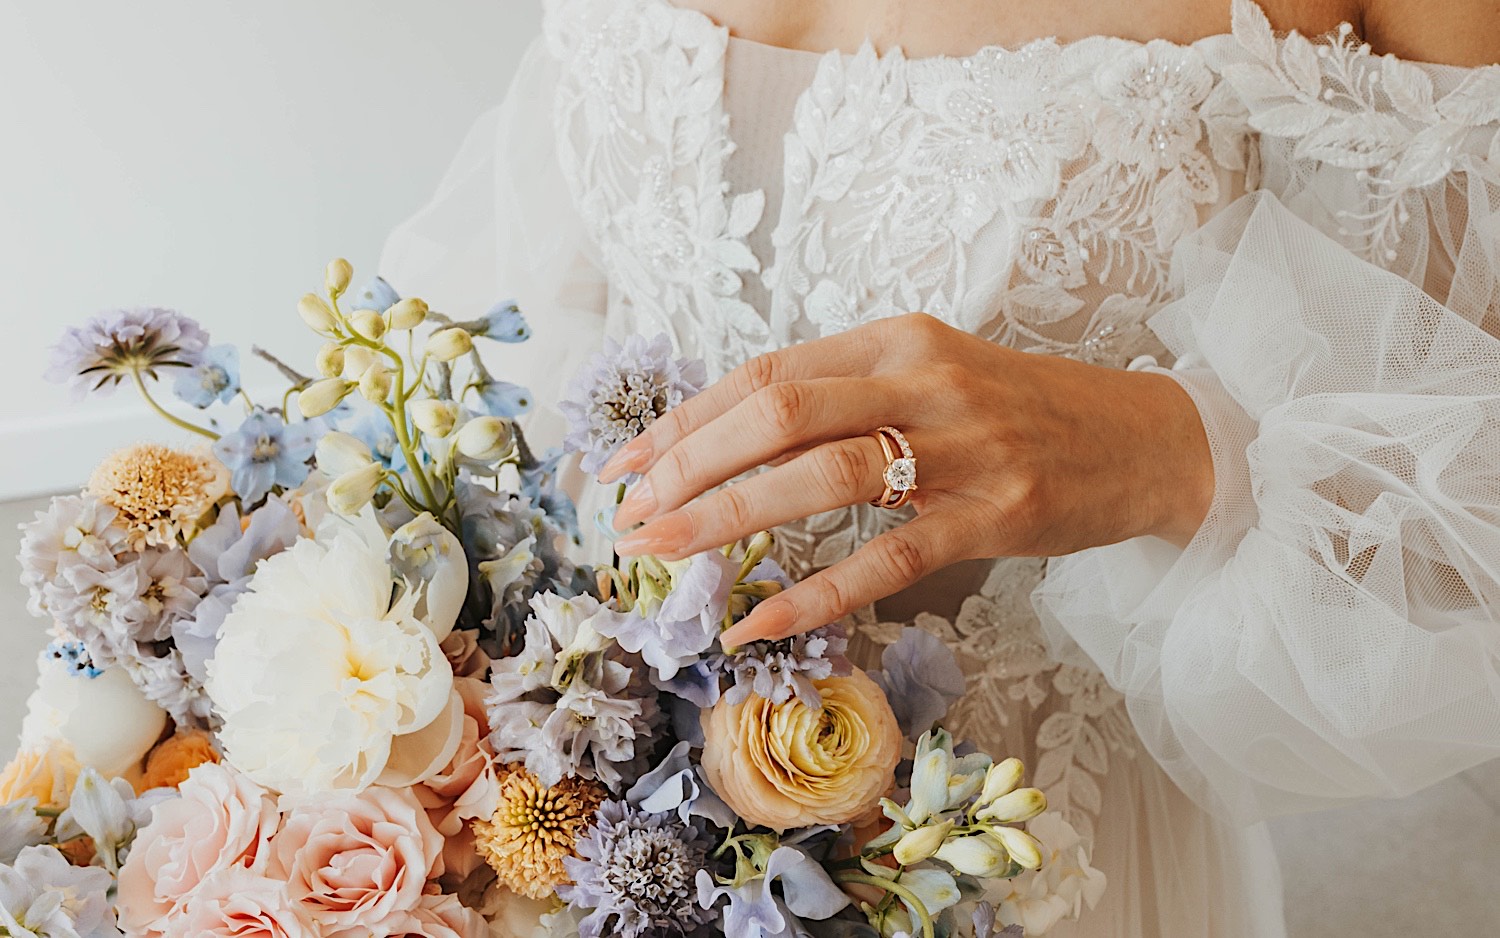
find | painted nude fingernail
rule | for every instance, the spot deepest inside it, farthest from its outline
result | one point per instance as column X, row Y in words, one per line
column 632, row 457
column 639, row 503
column 771, row 619
column 668, row 534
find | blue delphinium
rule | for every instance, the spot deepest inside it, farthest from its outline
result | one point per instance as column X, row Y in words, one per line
column 113, row 346
column 377, row 295
column 503, row 323
column 621, row 391
column 75, row 657
column 921, row 678
column 263, row 452
column 365, row 422
column 636, row 874
column 214, row 376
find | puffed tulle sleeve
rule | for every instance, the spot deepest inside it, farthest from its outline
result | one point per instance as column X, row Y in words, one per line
column 503, row 224
column 1332, row 632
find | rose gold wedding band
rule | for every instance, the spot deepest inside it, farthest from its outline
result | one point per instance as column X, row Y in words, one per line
column 900, row 475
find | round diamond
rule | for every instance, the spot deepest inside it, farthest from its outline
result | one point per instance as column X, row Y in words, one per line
column 901, row 474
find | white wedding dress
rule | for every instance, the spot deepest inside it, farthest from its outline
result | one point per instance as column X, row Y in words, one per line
column 1311, row 233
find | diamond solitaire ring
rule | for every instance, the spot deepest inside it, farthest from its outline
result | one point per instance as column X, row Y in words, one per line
column 900, row 470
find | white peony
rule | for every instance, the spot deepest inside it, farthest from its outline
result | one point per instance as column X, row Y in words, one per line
column 324, row 672
column 107, row 721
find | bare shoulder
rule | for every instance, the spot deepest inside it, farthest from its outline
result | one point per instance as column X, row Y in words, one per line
column 1453, row 32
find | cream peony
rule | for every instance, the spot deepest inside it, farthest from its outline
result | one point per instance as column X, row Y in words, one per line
column 356, row 863
column 320, row 673
column 221, row 821
column 787, row 765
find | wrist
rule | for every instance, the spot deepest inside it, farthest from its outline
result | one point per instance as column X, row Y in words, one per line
column 1182, row 467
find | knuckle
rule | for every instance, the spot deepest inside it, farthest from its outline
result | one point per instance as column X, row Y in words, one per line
column 831, row 597
column 784, row 409
column 904, row 558
column 843, row 470
column 673, row 474
column 759, row 372
column 734, row 509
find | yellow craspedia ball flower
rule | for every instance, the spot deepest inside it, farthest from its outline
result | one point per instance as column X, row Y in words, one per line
column 535, row 828
column 158, row 491
column 789, row 765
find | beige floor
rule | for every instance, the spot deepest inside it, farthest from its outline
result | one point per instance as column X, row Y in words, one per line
column 1422, row 867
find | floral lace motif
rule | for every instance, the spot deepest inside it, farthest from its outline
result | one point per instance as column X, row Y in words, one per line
column 1030, row 196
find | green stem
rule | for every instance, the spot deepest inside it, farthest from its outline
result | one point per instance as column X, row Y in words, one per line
column 896, row 889
column 167, row 415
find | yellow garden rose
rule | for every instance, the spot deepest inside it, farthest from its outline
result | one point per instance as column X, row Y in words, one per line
column 787, row 765
column 44, row 774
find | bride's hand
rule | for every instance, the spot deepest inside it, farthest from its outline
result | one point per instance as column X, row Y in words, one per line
column 1017, row 455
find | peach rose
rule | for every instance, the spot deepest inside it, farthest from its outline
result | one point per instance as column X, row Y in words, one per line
column 356, row 861
column 236, row 903
column 466, row 788
column 786, row 765
column 464, row 655
column 222, row 820
column 173, row 758
column 47, row 775
column 439, row 917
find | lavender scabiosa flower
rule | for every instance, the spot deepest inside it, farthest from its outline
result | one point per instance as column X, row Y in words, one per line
column 562, row 705
column 621, row 391
column 214, row 376
column 265, row 452
column 636, row 874
column 921, row 678
column 120, row 344
column 73, row 531
column 780, row 669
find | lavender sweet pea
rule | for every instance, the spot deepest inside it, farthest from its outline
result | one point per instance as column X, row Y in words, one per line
column 622, row 391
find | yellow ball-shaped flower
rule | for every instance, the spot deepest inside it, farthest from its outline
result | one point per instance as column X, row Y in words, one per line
column 788, row 765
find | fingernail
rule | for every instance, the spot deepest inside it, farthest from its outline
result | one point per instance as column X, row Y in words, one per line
column 771, row 619
column 668, row 534
column 632, row 457
column 639, row 503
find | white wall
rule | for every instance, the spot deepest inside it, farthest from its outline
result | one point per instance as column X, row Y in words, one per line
column 210, row 156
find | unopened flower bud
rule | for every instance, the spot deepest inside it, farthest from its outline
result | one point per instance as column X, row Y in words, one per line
column 320, row 397
column 434, row 418
column 447, row 344
column 486, row 439
column 981, row 855
column 357, row 360
column 340, row 454
column 375, row 383
column 368, row 323
column 353, row 490
column 1022, row 847
column 331, row 360
column 316, row 313
column 336, row 276
column 1023, row 804
column 407, row 314
column 1001, row 779
column 757, row 549
column 916, row 846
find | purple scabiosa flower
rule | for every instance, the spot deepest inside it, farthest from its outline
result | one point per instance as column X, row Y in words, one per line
column 921, row 678
column 214, row 376
column 780, row 669
column 73, row 531
column 265, row 452
column 115, row 345
column 636, row 874
column 619, row 392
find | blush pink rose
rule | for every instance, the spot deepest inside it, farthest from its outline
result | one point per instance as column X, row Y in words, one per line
column 466, row 788
column 439, row 917
column 353, row 861
column 222, row 820
column 236, row 903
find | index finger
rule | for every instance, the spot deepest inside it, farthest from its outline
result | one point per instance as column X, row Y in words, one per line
column 846, row 354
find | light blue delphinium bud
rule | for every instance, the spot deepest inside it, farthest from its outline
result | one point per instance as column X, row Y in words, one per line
column 214, row 376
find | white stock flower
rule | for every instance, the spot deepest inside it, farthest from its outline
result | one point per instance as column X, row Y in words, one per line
column 43, row 895
column 20, row 827
column 319, row 672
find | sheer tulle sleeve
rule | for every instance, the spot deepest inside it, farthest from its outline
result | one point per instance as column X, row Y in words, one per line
column 503, row 224
column 1333, row 631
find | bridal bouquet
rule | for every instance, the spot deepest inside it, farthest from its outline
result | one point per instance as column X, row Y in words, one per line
column 331, row 673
